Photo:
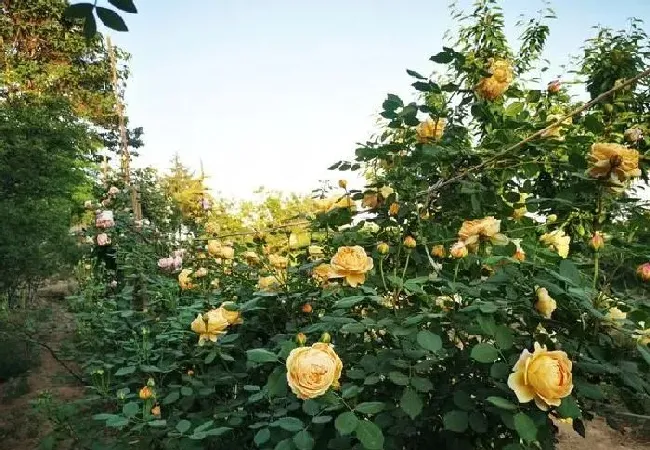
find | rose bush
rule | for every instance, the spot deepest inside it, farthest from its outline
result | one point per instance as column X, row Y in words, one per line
column 420, row 316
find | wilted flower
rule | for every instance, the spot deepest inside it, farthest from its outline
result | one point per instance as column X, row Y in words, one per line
column 430, row 130
column 545, row 304
column 103, row 239
column 643, row 271
column 633, row 135
column 351, row 263
column 209, row 326
column 343, row 184
column 554, row 87
column 613, row 162
column 438, row 251
column 311, row 371
column 494, row 86
column 544, row 376
column 370, row 200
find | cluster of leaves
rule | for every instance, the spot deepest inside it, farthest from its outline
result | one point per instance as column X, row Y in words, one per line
column 427, row 342
column 109, row 17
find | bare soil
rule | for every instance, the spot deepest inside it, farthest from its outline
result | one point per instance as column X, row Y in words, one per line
column 21, row 427
column 599, row 436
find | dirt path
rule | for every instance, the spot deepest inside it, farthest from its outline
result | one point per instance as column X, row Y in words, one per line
column 20, row 426
column 599, row 436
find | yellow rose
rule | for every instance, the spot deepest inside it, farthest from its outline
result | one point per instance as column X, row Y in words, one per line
column 410, row 242
column 268, row 284
column 554, row 132
column 430, row 130
column 323, row 204
column 557, row 240
column 145, row 393
column 393, row 210
column 321, row 272
column 184, row 280
column 311, row 371
column 385, row 191
column 614, row 162
column 251, row 257
column 615, row 314
column 351, row 263
column 642, row 336
column 545, row 304
column 279, row 262
column 215, row 283
column 544, row 376
column 209, row 326
column 471, row 231
column 231, row 316
column 494, row 86
column 214, row 248
column 227, row 252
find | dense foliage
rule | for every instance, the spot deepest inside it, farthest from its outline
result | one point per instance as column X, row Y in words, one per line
column 491, row 279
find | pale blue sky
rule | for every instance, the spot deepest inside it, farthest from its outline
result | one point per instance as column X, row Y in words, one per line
column 273, row 92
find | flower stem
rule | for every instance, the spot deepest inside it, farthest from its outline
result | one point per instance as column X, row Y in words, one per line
column 456, row 270
column 596, row 269
column 381, row 271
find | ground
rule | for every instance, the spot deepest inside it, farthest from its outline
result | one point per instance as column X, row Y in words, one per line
column 21, row 428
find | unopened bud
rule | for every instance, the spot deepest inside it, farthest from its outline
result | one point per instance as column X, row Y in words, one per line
column 554, row 87
column 151, row 382
column 597, row 241
column 410, row 242
column 301, row 339
column 438, row 251
column 394, row 209
column 307, row 308
column 643, row 271
column 326, row 338
column 383, row 248
column 343, row 184
column 633, row 135
column 458, row 250
column 551, row 218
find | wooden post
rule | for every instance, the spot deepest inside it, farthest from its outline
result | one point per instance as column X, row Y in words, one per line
column 125, row 157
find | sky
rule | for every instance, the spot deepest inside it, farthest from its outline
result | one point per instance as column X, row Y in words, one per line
column 271, row 93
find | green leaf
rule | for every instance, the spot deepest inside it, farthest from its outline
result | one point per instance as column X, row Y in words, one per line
column 421, row 384
column 514, row 109
column 261, row 355
column 570, row 271
column 478, row 422
column 303, row 440
column 525, row 427
column 370, row 435
column 502, row 403
column 171, row 398
column 463, row 400
column 124, row 5
column 504, row 337
column 158, row 423
column 204, row 426
column 398, row 378
column 183, row 425
column 90, row 27
column 370, row 407
column 131, row 409
column 288, row 423
column 311, row 407
column 210, row 357
column 127, row 370
column 414, row 74
column 569, row 408
column 321, row 419
column 117, row 422
column 78, row 11
column 456, row 421
column 346, row 423
column 285, row 444
column 429, row 341
column 484, row 353
column 353, row 328
column 411, row 403
column 588, row 390
column 111, row 19
column 186, row 391
column 442, row 58
column 644, row 352
column 349, row 302
column 217, row 431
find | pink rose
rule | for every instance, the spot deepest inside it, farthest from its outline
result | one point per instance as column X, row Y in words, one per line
column 104, row 219
column 103, row 239
column 177, row 262
column 165, row 263
column 178, row 253
column 113, row 190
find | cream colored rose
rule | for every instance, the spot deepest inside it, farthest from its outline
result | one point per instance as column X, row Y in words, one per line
column 557, row 240
column 614, row 162
column 251, row 257
column 316, row 251
column 210, row 326
column 544, row 376
column 642, row 336
column 200, row 272
column 488, row 228
column 545, row 304
column 458, row 250
column 430, row 130
column 227, row 252
column 615, row 314
column 311, row 371
column 321, row 273
column 184, row 279
column 278, row 262
column 299, row 239
column 351, row 263
column 214, row 248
